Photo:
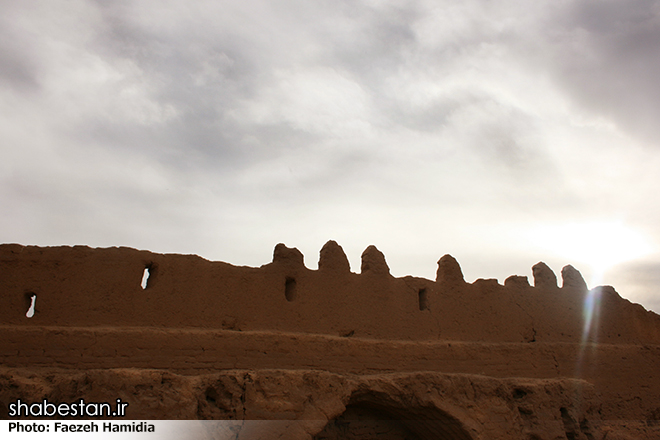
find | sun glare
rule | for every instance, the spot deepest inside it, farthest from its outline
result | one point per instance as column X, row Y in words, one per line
column 597, row 245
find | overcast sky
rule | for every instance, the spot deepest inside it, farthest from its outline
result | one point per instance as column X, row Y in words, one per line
column 503, row 133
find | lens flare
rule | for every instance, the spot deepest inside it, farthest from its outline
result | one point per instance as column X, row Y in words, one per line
column 597, row 246
column 587, row 350
column 591, row 315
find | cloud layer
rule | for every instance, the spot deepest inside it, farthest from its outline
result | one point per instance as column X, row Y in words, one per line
column 424, row 127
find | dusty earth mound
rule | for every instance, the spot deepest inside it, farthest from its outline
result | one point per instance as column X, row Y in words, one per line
column 328, row 406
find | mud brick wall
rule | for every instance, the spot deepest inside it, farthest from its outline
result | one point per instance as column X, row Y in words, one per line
column 80, row 286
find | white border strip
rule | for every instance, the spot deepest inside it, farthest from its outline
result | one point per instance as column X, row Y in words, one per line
column 151, row 429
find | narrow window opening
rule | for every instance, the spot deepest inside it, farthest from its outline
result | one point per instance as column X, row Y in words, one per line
column 30, row 312
column 423, row 299
column 290, row 290
column 145, row 277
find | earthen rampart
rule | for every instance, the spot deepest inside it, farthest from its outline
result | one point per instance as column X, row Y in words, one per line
column 334, row 353
column 80, row 286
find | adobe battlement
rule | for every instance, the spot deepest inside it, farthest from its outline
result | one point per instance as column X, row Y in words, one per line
column 330, row 350
column 84, row 287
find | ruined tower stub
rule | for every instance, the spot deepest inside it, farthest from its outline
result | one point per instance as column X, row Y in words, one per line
column 516, row 281
column 288, row 256
column 449, row 272
column 332, row 258
column 373, row 261
column 573, row 278
column 544, row 277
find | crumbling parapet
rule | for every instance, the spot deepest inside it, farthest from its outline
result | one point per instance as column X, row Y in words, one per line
column 81, row 286
column 572, row 278
column 333, row 259
column 464, row 360
column 449, row 272
column 373, row 262
column 544, row 277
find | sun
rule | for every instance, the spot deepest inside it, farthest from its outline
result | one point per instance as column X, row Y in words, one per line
column 600, row 245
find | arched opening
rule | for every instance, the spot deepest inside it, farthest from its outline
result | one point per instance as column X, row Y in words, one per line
column 370, row 420
column 31, row 297
column 423, row 298
column 290, row 290
column 145, row 278
column 360, row 423
column 148, row 276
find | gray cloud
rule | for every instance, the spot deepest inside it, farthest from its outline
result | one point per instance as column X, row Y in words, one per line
column 606, row 55
column 641, row 280
column 18, row 70
column 221, row 128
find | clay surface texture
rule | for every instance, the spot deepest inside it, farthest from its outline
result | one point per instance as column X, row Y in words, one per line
column 328, row 353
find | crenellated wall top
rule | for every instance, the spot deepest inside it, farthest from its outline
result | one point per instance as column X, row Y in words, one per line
column 85, row 287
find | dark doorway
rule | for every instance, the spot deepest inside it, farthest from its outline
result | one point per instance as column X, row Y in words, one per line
column 361, row 423
column 374, row 421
